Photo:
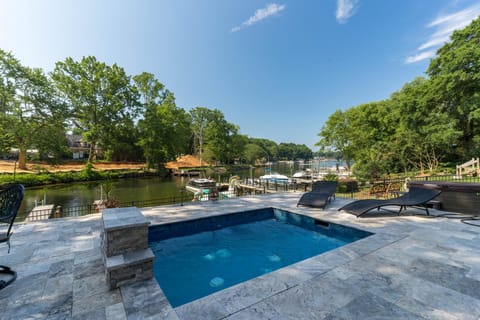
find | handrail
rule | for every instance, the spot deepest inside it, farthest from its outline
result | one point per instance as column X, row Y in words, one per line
column 473, row 165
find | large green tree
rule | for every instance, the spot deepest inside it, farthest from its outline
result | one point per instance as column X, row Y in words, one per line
column 270, row 147
column 99, row 95
column 429, row 121
column 336, row 135
column 222, row 143
column 164, row 131
column 254, row 153
column 200, row 117
column 455, row 77
column 121, row 142
column 425, row 134
column 31, row 113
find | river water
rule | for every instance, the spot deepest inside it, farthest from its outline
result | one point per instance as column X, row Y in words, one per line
column 138, row 189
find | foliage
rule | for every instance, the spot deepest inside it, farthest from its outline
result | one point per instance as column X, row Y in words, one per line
column 43, row 178
column 110, row 201
column 164, row 132
column 269, row 147
column 336, row 135
column 200, row 117
column 120, row 144
column 426, row 123
column 31, row 114
column 455, row 80
column 292, row 151
column 128, row 118
column 330, row 177
column 101, row 98
column 216, row 139
column 254, row 153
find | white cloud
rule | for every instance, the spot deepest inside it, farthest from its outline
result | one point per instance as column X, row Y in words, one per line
column 421, row 56
column 345, row 9
column 443, row 27
column 260, row 14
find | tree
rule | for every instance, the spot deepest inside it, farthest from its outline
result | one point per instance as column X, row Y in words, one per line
column 426, row 134
column 303, row 152
column 32, row 115
column 222, row 143
column 100, row 96
column 270, row 147
column 121, row 142
column 200, row 117
column 428, row 121
column 253, row 153
column 237, row 145
column 336, row 135
column 164, row 130
column 165, row 133
column 455, row 77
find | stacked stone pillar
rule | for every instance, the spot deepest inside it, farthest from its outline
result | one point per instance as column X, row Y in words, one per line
column 127, row 256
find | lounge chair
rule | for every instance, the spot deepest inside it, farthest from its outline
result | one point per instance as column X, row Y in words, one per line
column 415, row 197
column 10, row 199
column 321, row 194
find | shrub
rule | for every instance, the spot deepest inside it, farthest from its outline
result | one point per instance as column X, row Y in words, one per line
column 330, row 177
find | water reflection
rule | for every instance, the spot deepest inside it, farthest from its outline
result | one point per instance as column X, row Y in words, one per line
column 139, row 189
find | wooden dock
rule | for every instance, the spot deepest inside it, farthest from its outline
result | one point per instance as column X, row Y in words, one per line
column 251, row 189
column 42, row 212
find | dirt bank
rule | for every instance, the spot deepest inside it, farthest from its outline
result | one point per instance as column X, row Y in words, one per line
column 8, row 166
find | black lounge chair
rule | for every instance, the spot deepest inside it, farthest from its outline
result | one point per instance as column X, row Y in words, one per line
column 415, row 197
column 321, row 194
column 10, row 199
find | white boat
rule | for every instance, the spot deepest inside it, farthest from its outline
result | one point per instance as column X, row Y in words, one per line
column 275, row 178
column 304, row 174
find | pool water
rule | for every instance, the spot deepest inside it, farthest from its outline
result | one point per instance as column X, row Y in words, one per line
column 193, row 266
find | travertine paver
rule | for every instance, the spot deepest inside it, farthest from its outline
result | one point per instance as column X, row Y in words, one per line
column 412, row 268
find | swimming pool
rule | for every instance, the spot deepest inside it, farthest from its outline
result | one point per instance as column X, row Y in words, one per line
column 198, row 257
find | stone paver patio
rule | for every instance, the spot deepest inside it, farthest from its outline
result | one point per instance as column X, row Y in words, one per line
column 414, row 267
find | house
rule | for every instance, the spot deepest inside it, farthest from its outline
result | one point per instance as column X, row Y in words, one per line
column 79, row 148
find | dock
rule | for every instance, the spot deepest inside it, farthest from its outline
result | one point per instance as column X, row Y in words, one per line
column 41, row 212
column 251, row 189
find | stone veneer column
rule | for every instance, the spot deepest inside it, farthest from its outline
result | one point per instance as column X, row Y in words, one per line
column 126, row 254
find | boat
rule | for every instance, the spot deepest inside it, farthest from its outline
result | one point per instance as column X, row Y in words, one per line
column 303, row 174
column 274, row 177
column 196, row 185
column 202, row 188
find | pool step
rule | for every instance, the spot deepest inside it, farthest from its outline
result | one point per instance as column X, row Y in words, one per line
column 127, row 256
column 129, row 267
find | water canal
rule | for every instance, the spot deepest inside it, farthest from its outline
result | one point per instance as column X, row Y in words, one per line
column 135, row 189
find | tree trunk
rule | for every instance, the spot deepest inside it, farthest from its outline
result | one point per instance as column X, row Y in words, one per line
column 200, row 142
column 91, row 153
column 22, row 158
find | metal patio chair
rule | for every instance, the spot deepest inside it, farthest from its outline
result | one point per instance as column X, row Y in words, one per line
column 10, row 200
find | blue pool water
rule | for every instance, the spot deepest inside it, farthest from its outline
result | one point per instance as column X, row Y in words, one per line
column 215, row 253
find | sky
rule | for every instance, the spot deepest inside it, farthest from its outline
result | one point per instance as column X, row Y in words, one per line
column 277, row 69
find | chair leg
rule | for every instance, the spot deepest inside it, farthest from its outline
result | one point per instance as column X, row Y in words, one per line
column 426, row 209
column 7, row 270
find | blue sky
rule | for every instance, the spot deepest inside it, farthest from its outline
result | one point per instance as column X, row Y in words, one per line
column 277, row 69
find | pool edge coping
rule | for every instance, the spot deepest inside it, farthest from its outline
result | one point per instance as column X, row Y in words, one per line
column 231, row 300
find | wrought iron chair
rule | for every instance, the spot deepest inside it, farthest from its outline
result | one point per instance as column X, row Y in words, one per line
column 10, row 199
